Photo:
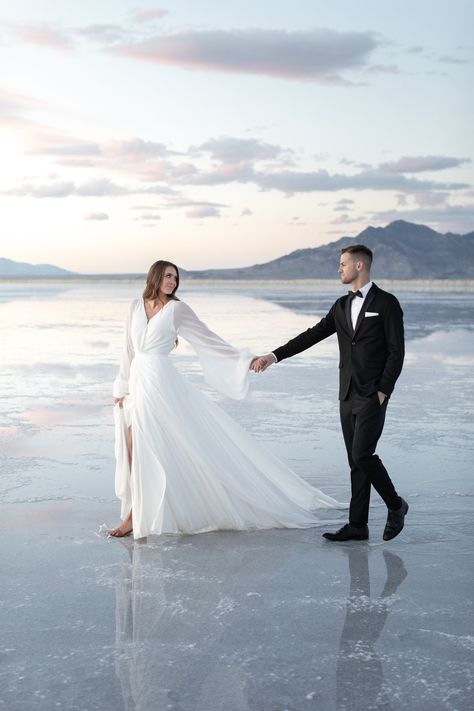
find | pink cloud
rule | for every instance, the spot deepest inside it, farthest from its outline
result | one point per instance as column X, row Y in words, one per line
column 14, row 108
column 40, row 34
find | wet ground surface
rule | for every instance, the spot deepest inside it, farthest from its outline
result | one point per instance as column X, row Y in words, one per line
column 231, row 621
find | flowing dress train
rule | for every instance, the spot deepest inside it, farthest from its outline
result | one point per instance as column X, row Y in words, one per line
column 194, row 469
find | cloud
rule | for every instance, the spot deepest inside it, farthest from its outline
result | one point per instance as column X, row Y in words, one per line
column 418, row 164
column 430, row 198
column 141, row 15
column 134, row 149
column 204, row 211
column 343, row 205
column 383, row 69
column 39, row 34
column 150, row 216
column 57, row 145
column 447, row 59
column 14, row 108
column 454, row 218
column 291, row 182
column 56, row 189
column 98, row 187
column 231, row 173
column 344, row 219
column 96, row 216
column 286, row 181
column 246, row 211
column 239, row 150
column 114, row 154
column 104, row 34
column 296, row 222
column 315, row 55
column 174, row 203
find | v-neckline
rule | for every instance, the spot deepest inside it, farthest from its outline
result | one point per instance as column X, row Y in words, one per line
column 157, row 313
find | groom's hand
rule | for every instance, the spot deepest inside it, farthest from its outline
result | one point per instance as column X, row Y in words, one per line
column 382, row 397
column 261, row 363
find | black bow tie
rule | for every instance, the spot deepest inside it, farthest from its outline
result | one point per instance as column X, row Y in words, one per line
column 355, row 293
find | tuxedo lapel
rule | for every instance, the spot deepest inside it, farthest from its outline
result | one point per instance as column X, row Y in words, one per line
column 367, row 301
column 347, row 309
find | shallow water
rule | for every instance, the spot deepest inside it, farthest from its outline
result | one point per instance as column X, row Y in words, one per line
column 274, row 620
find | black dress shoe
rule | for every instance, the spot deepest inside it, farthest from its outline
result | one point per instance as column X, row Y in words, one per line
column 395, row 521
column 348, row 533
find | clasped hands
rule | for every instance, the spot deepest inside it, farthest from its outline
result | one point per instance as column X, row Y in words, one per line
column 261, row 363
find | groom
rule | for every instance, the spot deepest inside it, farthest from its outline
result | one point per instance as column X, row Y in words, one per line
column 369, row 327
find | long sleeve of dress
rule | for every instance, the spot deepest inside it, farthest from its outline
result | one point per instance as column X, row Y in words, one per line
column 120, row 388
column 225, row 368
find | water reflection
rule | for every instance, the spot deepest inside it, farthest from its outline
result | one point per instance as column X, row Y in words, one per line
column 233, row 622
column 185, row 636
column 424, row 313
column 360, row 678
column 34, row 290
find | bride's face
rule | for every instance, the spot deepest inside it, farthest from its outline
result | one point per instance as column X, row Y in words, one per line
column 168, row 282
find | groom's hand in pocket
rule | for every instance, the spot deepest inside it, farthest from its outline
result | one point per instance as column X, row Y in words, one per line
column 382, row 397
column 261, row 363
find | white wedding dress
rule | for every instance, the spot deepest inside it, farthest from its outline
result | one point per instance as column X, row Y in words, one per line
column 193, row 468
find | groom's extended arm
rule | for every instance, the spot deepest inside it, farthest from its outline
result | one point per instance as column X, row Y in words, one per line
column 326, row 327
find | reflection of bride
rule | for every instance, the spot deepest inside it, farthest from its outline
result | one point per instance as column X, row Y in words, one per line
column 214, row 623
column 183, row 465
column 185, row 624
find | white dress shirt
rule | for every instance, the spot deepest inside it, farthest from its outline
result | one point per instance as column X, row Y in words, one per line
column 357, row 303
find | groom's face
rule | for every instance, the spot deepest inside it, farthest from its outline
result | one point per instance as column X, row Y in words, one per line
column 348, row 268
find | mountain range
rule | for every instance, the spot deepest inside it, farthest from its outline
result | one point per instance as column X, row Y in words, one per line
column 402, row 250
column 9, row 268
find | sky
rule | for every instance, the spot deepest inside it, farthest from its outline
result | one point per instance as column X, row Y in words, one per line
column 223, row 134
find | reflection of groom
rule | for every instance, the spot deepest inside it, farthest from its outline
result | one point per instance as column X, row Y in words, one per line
column 359, row 674
column 369, row 327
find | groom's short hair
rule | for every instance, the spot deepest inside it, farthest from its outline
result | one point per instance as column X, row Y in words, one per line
column 359, row 251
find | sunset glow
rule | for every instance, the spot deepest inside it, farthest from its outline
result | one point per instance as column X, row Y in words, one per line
column 222, row 134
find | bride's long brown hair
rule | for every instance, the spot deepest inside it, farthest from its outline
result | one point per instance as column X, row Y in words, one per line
column 154, row 278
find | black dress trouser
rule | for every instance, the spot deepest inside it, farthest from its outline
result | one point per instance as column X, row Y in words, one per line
column 362, row 421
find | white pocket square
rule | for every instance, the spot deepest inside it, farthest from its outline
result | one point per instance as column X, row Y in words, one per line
column 371, row 313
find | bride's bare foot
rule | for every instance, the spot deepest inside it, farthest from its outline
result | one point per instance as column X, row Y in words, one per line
column 124, row 529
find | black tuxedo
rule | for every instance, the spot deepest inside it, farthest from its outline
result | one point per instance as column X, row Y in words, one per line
column 371, row 359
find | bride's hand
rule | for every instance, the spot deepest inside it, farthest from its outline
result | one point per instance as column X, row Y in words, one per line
column 261, row 363
column 119, row 401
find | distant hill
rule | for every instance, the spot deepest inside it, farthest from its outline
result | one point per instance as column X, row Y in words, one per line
column 9, row 268
column 402, row 250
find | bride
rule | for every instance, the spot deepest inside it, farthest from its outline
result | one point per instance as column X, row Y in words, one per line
column 182, row 464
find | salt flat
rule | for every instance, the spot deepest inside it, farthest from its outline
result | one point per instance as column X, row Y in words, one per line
column 231, row 621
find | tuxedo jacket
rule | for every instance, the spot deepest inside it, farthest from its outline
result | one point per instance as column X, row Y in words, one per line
column 371, row 355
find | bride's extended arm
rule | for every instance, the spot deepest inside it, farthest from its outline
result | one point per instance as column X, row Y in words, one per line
column 225, row 367
column 120, row 389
